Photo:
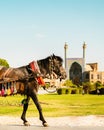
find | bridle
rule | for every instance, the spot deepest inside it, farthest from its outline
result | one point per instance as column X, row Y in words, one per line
column 51, row 66
column 51, row 72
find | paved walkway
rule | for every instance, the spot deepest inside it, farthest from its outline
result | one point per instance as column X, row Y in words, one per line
column 72, row 121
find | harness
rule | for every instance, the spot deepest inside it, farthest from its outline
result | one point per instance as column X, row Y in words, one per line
column 9, row 86
column 7, row 72
column 35, row 68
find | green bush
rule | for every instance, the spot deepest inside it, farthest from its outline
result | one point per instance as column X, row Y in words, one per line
column 63, row 91
column 73, row 90
column 3, row 62
column 67, row 91
column 59, row 91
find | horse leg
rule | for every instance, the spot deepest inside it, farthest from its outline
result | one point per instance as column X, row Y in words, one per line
column 35, row 100
column 25, row 107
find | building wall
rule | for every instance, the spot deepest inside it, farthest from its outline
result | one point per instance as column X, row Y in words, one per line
column 94, row 76
column 75, row 69
column 70, row 61
column 91, row 75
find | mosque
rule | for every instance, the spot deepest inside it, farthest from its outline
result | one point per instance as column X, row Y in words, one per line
column 78, row 71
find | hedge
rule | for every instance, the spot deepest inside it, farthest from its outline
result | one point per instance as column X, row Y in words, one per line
column 69, row 91
column 62, row 91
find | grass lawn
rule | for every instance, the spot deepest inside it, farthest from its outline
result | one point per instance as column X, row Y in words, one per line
column 55, row 105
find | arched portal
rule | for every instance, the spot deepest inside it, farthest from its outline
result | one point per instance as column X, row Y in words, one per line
column 75, row 73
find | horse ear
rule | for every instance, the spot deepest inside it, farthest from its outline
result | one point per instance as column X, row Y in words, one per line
column 53, row 56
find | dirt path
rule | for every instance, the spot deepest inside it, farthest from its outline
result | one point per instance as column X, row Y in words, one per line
column 57, row 121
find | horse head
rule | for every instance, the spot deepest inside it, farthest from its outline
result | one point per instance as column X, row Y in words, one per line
column 56, row 66
column 52, row 64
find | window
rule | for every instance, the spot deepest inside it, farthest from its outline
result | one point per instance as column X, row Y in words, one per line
column 92, row 76
column 87, row 76
column 98, row 77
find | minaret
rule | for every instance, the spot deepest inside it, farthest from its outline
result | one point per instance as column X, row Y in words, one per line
column 65, row 50
column 84, row 47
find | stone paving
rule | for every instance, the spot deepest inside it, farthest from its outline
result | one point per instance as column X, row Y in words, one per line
column 57, row 121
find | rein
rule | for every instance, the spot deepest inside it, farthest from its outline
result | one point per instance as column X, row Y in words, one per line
column 35, row 68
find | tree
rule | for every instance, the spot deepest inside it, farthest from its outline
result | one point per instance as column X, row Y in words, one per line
column 3, row 62
column 69, row 83
column 87, row 86
column 98, row 84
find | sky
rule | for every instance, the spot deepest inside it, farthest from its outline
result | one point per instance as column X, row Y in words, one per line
column 34, row 29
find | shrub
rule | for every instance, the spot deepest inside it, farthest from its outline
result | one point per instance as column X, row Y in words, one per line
column 59, row 91
column 67, row 91
column 3, row 62
column 63, row 91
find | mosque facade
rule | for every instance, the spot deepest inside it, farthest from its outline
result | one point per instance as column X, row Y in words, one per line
column 78, row 71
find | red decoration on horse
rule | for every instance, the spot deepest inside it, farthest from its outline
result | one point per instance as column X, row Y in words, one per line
column 34, row 66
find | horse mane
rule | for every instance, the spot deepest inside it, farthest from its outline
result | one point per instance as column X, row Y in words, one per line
column 45, row 62
column 59, row 58
column 44, row 65
column 52, row 56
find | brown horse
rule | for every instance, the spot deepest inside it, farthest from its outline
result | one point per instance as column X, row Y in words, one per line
column 26, row 80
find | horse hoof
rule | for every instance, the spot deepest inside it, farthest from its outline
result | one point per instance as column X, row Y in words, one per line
column 26, row 123
column 45, row 124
